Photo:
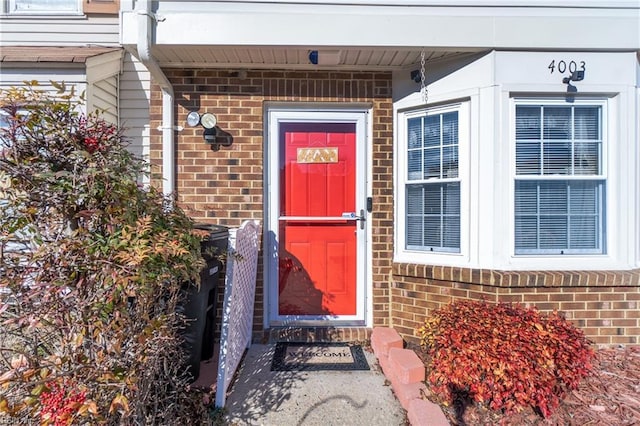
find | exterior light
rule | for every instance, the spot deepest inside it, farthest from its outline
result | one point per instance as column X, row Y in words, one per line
column 208, row 120
column 213, row 135
column 193, row 119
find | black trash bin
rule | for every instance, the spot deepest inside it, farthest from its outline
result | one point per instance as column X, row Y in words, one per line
column 199, row 306
column 213, row 250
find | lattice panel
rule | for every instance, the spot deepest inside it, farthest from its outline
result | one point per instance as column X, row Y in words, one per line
column 239, row 296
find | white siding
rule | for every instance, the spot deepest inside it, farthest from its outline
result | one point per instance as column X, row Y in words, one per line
column 128, row 92
column 134, row 105
column 103, row 96
column 125, row 97
column 59, row 31
column 13, row 77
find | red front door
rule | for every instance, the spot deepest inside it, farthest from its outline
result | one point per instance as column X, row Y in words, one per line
column 317, row 245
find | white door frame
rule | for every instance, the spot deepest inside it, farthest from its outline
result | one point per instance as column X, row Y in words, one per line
column 275, row 115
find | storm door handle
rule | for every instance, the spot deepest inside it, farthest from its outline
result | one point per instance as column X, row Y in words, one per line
column 353, row 216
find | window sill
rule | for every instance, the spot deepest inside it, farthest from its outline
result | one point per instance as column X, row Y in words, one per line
column 432, row 258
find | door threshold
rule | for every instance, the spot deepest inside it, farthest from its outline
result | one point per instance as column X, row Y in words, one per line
column 317, row 334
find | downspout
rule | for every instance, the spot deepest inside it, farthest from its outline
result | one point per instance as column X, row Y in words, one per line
column 146, row 19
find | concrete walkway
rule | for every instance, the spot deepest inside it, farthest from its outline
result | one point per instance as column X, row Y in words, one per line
column 260, row 396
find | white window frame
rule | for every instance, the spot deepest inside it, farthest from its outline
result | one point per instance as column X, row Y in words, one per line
column 12, row 9
column 609, row 187
column 402, row 253
column 20, row 112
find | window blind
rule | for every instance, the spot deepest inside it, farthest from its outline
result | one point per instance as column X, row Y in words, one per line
column 559, row 188
column 433, row 188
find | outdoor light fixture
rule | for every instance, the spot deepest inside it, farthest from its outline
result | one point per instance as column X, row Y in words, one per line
column 213, row 135
column 325, row 57
column 193, row 119
column 208, row 120
column 575, row 76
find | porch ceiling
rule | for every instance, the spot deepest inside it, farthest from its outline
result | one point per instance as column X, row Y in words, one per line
column 351, row 58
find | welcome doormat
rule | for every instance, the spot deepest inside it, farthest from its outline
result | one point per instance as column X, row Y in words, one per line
column 318, row 356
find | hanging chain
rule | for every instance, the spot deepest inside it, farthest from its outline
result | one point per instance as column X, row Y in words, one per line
column 424, row 91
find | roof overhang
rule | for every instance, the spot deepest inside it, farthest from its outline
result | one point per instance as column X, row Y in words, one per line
column 98, row 62
column 59, row 54
column 374, row 34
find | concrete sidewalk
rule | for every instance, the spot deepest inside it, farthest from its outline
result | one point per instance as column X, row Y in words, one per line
column 260, row 396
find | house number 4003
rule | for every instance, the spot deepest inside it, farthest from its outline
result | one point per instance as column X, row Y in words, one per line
column 564, row 66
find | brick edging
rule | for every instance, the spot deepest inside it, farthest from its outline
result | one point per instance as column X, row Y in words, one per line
column 406, row 372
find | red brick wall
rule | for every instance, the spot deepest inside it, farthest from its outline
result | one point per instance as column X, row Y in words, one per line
column 604, row 304
column 226, row 187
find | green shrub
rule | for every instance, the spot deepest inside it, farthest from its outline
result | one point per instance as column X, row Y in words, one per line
column 92, row 269
column 505, row 356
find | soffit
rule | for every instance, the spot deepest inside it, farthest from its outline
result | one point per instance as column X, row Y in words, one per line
column 63, row 54
column 297, row 58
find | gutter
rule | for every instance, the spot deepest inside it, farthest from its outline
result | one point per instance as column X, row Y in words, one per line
column 145, row 21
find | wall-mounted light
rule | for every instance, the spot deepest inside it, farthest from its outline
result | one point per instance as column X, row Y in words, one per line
column 213, row 135
column 193, row 119
column 575, row 76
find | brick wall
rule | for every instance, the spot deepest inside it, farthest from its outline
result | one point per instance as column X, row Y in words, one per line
column 226, row 187
column 604, row 304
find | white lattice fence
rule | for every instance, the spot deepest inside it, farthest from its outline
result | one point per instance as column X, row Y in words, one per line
column 239, row 295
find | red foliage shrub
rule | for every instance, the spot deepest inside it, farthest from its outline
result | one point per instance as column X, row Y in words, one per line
column 504, row 355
